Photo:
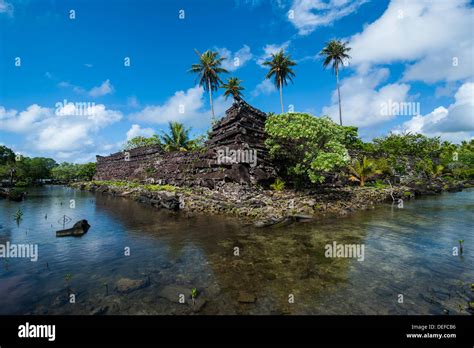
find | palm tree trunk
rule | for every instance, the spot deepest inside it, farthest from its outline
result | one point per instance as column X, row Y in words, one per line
column 339, row 95
column 362, row 180
column 213, row 119
column 281, row 96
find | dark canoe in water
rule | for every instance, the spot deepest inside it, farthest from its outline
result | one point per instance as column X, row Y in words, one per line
column 80, row 228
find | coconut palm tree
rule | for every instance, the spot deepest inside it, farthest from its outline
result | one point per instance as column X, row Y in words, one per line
column 178, row 138
column 363, row 170
column 208, row 70
column 334, row 54
column 233, row 88
column 280, row 69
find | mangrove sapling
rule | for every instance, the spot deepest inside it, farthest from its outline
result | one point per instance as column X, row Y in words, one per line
column 18, row 216
column 461, row 243
column 194, row 294
column 6, row 264
column 106, row 289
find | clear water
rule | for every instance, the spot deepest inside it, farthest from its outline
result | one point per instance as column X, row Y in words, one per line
column 407, row 252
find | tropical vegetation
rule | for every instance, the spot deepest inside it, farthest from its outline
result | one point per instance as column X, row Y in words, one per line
column 233, row 88
column 208, row 70
column 336, row 54
column 280, row 69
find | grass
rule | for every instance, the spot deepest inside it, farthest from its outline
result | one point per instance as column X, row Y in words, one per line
column 132, row 185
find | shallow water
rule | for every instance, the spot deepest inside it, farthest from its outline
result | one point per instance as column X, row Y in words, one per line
column 408, row 252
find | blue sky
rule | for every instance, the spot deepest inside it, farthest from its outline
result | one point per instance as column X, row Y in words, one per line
column 415, row 53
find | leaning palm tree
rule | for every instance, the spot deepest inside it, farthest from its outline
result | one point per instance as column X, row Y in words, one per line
column 208, row 70
column 335, row 53
column 280, row 69
column 233, row 88
column 177, row 139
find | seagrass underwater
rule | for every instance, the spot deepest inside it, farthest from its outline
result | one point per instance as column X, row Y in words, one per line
column 26, row 251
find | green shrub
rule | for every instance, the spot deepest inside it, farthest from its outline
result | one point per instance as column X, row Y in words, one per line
column 305, row 147
column 278, row 185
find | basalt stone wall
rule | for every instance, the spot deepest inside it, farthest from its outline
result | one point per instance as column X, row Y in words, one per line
column 235, row 153
column 178, row 168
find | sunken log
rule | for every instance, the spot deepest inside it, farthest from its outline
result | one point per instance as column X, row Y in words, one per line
column 78, row 229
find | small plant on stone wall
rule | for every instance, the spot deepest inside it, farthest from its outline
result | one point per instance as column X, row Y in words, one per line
column 150, row 170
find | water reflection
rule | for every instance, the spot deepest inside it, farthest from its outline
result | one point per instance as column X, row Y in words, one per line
column 407, row 252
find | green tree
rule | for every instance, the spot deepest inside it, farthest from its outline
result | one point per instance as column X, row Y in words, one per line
column 7, row 156
column 208, row 70
column 7, row 164
column 304, row 147
column 281, row 71
column 334, row 54
column 66, row 172
column 233, row 88
column 141, row 141
column 86, row 171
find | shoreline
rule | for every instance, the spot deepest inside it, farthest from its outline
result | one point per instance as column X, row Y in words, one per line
column 264, row 207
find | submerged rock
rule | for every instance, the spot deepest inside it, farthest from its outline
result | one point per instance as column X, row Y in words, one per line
column 78, row 229
column 126, row 285
column 246, row 297
column 173, row 292
column 199, row 304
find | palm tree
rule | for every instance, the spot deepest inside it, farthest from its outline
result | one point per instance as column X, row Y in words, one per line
column 363, row 170
column 335, row 53
column 280, row 68
column 208, row 70
column 436, row 170
column 178, row 138
column 233, row 88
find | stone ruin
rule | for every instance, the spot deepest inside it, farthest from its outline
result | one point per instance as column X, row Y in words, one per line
column 235, row 152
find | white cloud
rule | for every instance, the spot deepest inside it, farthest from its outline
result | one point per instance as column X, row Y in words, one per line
column 184, row 106
column 265, row 87
column 310, row 14
column 6, row 7
column 104, row 89
column 363, row 99
column 427, row 35
column 454, row 123
column 235, row 60
column 56, row 135
column 136, row 131
column 26, row 120
column 270, row 49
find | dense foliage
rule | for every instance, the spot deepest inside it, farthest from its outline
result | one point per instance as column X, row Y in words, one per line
column 66, row 172
column 141, row 141
column 23, row 171
column 176, row 139
column 308, row 150
column 306, row 147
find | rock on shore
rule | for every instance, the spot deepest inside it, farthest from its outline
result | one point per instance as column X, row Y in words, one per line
column 264, row 207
